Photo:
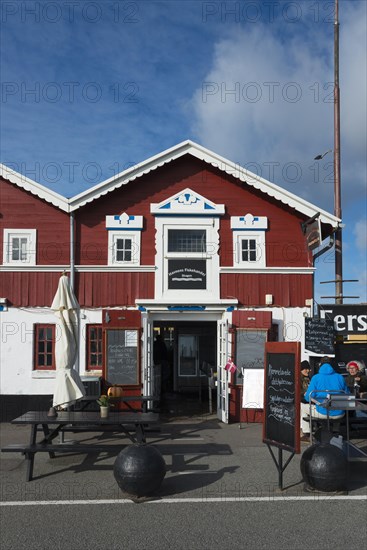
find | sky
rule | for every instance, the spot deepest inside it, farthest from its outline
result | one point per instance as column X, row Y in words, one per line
column 90, row 88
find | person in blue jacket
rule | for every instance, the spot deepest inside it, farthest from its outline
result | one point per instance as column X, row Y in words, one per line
column 329, row 381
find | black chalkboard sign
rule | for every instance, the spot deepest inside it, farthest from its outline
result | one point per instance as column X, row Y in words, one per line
column 319, row 336
column 282, row 399
column 122, row 365
column 187, row 274
column 250, row 346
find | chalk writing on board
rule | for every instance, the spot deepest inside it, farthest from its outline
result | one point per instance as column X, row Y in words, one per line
column 122, row 357
column 319, row 335
column 280, row 399
column 280, row 379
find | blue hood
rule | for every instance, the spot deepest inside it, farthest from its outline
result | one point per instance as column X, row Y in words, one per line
column 326, row 369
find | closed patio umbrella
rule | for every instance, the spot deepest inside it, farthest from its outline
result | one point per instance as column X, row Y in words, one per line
column 68, row 385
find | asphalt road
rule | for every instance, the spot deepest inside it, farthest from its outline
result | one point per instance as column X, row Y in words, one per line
column 276, row 524
column 220, row 491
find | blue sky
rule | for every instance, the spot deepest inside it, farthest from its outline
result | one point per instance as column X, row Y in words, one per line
column 92, row 87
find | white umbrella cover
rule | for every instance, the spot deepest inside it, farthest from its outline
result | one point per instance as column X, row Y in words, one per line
column 68, row 385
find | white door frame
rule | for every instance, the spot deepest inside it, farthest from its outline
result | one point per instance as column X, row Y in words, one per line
column 222, row 374
column 223, row 346
column 147, row 357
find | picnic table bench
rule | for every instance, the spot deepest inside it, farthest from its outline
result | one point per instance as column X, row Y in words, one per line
column 132, row 425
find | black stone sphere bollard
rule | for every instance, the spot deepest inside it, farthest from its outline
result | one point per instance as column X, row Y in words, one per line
column 139, row 470
column 324, row 467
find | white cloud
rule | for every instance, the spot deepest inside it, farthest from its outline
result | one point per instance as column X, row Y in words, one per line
column 268, row 98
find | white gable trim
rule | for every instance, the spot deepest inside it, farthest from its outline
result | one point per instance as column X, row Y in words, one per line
column 187, row 202
column 188, row 147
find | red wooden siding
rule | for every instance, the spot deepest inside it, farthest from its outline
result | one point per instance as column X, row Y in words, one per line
column 285, row 244
column 29, row 288
column 22, row 210
column 252, row 319
column 113, row 289
column 288, row 290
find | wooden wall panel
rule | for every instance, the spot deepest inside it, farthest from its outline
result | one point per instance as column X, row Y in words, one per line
column 285, row 243
column 288, row 290
column 29, row 289
column 113, row 289
column 20, row 209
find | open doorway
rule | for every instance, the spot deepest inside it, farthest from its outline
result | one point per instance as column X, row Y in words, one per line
column 185, row 353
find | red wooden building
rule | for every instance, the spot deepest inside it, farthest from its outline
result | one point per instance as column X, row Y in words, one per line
column 187, row 245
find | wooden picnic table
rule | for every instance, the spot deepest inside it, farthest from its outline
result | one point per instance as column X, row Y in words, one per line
column 131, row 424
column 128, row 400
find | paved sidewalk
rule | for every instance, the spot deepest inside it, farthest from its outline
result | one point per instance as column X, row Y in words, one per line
column 205, row 459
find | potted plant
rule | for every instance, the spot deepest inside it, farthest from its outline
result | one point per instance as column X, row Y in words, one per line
column 104, row 403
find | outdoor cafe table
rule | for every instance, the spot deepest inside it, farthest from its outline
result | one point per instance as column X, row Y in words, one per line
column 130, row 424
column 129, row 400
column 347, row 403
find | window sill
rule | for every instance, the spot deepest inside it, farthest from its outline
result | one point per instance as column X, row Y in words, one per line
column 44, row 374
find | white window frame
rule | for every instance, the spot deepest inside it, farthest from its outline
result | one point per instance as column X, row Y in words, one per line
column 135, row 237
column 259, row 237
column 211, row 226
column 30, row 235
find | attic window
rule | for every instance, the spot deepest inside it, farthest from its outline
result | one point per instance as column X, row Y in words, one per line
column 249, row 241
column 124, row 239
column 19, row 247
column 123, row 247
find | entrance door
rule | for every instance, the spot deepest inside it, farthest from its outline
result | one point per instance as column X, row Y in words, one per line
column 222, row 374
column 190, row 361
column 188, row 357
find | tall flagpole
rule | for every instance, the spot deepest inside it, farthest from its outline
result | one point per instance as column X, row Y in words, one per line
column 337, row 184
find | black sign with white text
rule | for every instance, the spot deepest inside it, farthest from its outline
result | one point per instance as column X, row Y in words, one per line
column 282, row 396
column 187, row 274
column 347, row 319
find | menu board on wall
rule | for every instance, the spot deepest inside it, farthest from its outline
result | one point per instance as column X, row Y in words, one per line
column 122, row 365
column 319, row 336
column 282, row 396
column 250, row 345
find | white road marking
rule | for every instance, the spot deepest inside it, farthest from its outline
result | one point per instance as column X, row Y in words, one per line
column 183, row 500
column 188, row 439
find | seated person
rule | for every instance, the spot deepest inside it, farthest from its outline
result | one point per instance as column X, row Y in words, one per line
column 355, row 380
column 328, row 381
column 357, row 384
column 304, row 382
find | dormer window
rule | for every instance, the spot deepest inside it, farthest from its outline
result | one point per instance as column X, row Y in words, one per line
column 249, row 241
column 124, row 239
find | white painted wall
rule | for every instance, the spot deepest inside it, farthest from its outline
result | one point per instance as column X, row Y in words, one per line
column 17, row 376
column 291, row 322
